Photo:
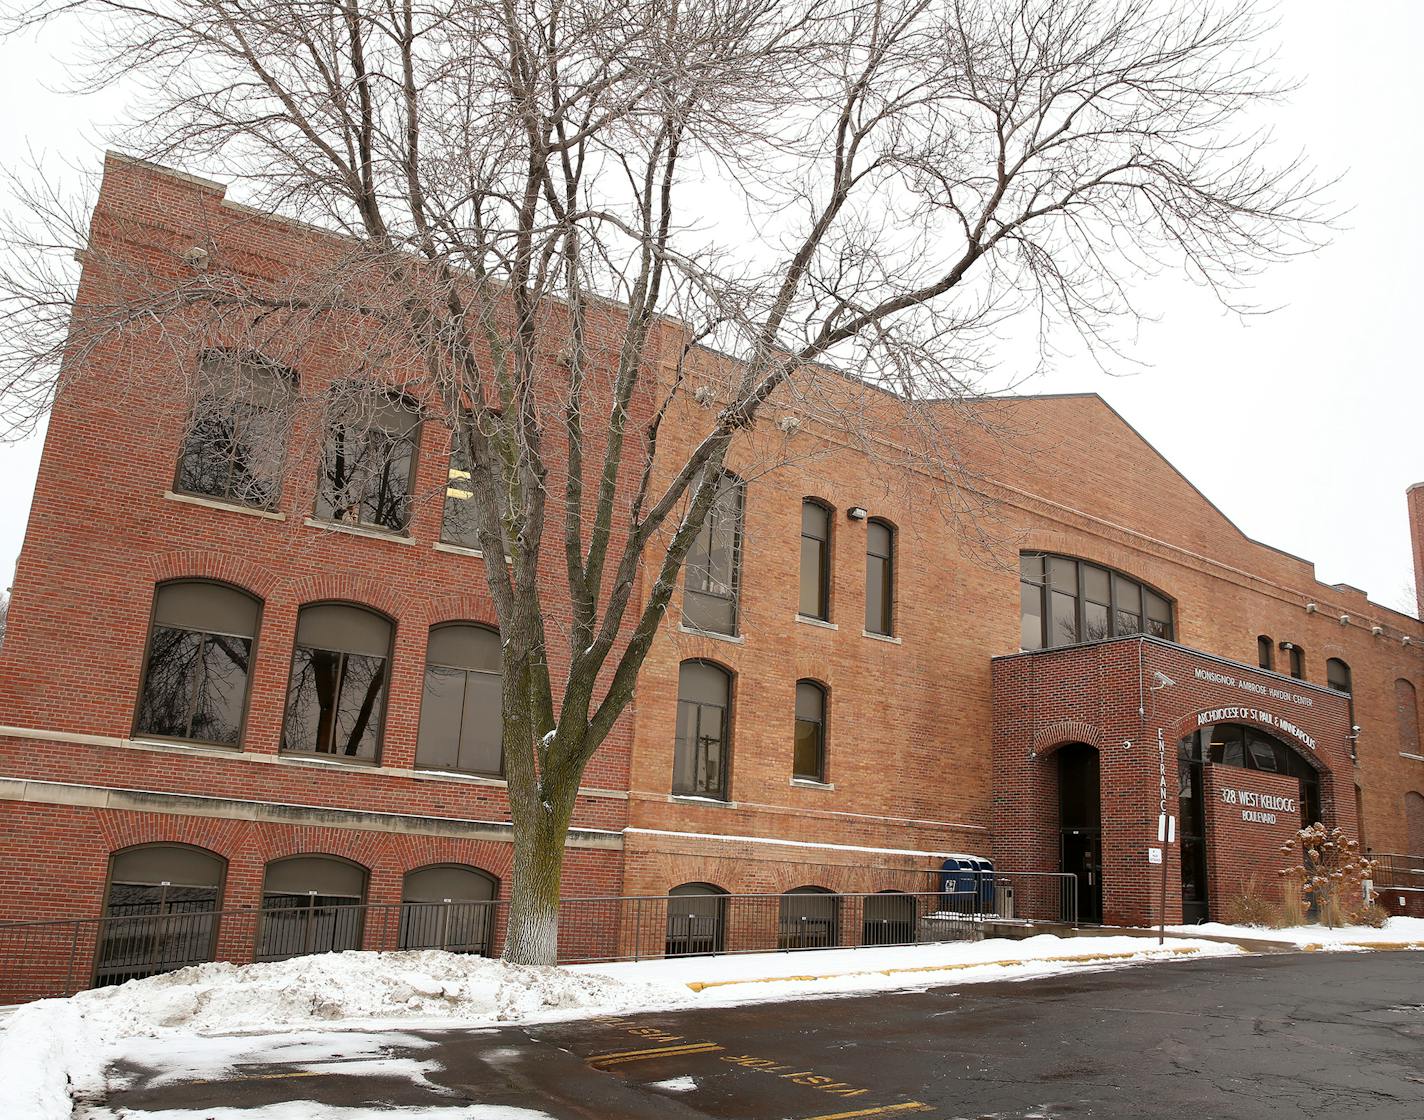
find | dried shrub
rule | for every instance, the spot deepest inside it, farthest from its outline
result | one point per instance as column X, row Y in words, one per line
column 1252, row 905
column 1332, row 876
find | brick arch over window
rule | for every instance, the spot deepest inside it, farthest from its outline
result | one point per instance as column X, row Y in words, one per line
column 122, row 829
column 355, row 590
column 1051, row 736
column 370, row 849
column 471, row 607
column 410, row 853
column 196, row 565
column 1414, row 823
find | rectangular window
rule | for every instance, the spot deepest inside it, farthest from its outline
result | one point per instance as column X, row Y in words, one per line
column 701, row 738
column 1297, row 663
column 879, row 579
column 1159, row 615
column 458, row 524
column 1030, row 616
column 236, row 439
column 1129, row 606
column 335, row 705
column 815, row 561
column 714, row 564
column 368, row 463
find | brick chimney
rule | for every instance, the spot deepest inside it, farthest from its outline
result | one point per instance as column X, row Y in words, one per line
column 1415, row 496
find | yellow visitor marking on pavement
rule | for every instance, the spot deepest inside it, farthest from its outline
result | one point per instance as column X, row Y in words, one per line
column 622, row 1056
column 1175, row 951
column 884, row 1110
column 262, row 1077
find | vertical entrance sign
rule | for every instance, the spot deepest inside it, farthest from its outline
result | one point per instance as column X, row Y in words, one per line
column 1166, row 832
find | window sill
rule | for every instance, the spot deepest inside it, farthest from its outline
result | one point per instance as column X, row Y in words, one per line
column 468, row 776
column 811, row 783
column 226, row 507
column 807, row 620
column 458, row 550
column 461, row 550
column 1412, row 757
column 328, row 760
column 696, row 799
column 186, row 745
column 735, row 639
column 890, row 638
column 357, row 531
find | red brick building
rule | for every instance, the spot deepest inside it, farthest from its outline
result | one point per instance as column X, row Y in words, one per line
column 241, row 691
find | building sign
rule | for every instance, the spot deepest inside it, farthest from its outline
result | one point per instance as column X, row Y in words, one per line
column 1230, row 715
column 1258, row 808
column 1273, row 691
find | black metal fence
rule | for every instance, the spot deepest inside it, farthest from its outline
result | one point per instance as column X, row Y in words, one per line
column 54, row 958
column 1399, row 872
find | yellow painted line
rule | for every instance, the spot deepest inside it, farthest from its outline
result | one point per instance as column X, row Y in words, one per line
column 262, row 1077
column 657, row 1052
column 1321, row 946
column 1177, row 951
column 884, row 1110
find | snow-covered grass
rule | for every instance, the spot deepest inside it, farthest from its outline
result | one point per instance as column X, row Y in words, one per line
column 1397, row 933
column 188, row 1020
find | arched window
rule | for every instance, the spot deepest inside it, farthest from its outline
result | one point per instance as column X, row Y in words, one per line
column 448, row 906
column 696, row 920
column 236, row 439
column 199, row 663
column 1063, row 601
column 336, row 699
column 1297, row 660
column 1406, row 715
column 889, row 918
column 713, row 580
column 704, row 694
column 815, row 561
column 1414, row 823
column 1337, row 675
column 158, row 912
column 879, row 577
column 810, row 754
column 809, row 919
column 1265, row 652
column 461, row 727
column 311, row 904
column 368, row 459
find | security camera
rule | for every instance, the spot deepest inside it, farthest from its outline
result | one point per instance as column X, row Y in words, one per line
column 1162, row 679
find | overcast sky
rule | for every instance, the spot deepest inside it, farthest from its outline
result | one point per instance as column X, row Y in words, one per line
column 1302, row 426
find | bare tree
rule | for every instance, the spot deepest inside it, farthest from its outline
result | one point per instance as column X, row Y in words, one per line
column 536, row 195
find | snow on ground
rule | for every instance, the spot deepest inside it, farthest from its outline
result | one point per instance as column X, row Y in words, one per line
column 186, row 1021
column 1396, row 933
column 310, row 1110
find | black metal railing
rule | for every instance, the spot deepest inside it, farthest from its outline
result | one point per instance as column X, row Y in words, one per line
column 1398, row 871
column 55, row 958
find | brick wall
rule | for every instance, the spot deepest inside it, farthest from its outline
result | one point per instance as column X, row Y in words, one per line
column 1246, row 825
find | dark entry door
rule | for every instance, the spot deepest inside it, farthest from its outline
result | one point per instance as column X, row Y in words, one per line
column 1082, row 856
column 1080, row 825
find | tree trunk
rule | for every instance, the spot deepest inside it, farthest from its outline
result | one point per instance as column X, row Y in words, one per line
column 533, row 933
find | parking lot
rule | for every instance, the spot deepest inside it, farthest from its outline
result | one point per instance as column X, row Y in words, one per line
column 1338, row 1035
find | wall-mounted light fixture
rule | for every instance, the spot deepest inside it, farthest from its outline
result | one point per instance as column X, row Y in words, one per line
column 1311, row 608
column 857, row 513
column 1344, row 620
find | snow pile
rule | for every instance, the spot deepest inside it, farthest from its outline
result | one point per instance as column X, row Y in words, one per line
column 48, row 1045
column 1394, row 934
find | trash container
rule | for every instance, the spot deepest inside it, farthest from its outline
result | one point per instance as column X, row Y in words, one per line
column 1004, row 899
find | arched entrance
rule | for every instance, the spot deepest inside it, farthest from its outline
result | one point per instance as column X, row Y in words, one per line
column 1245, row 747
column 1080, row 826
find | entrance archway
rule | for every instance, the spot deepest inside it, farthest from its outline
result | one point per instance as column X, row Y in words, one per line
column 1080, row 826
column 1246, row 747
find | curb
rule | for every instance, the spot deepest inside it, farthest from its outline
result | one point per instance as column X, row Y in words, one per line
column 1179, row 951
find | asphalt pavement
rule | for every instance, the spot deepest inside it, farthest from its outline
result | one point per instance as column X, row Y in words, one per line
column 1338, row 1035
